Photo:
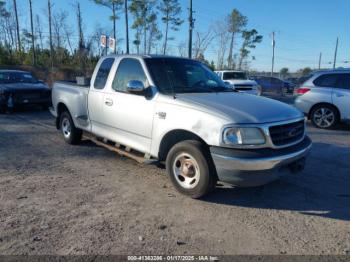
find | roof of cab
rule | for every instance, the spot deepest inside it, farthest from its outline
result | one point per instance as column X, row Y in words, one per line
column 141, row 56
column 233, row 71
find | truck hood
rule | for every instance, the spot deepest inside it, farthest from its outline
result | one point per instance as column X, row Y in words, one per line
column 241, row 82
column 240, row 108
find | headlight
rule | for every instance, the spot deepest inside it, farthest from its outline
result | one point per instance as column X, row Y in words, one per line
column 243, row 136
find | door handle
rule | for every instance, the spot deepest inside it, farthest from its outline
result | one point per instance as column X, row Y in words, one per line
column 108, row 102
column 339, row 95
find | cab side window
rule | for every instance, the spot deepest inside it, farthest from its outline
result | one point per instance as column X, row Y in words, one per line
column 103, row 72
column 128, row 69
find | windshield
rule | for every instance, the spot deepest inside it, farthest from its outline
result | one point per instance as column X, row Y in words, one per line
column 234, row 75
column 178, row 75
column 17, row 77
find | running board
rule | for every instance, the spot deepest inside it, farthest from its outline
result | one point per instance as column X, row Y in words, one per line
column 127, row 152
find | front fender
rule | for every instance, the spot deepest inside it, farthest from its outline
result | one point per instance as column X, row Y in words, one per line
column 169, row 117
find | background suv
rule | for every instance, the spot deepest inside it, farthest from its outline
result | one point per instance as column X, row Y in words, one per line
column 325, row 97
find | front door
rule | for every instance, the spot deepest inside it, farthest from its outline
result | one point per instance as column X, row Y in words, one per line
column 129, row 115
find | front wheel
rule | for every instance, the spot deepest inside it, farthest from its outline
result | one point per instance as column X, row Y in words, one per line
column 324, row 116
column 190, row 169
column 71, row 134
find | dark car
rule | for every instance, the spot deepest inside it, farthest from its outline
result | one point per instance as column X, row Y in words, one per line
column 274, row 85
column 22, row 88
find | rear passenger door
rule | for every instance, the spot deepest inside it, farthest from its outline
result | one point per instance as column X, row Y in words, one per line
column 341, row 95
column 96, row 94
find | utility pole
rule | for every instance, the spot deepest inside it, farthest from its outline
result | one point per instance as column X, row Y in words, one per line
column 273, row 52
column 191, row 26
column 319, row 61
column 17, row 26
column 335, row 53
column 50, row 31
column 32, row 27
column 126, row 26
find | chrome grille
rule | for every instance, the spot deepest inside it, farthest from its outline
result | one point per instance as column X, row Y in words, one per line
column 287, row 134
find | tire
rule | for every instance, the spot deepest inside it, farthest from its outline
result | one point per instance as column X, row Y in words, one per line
column 191, row 169
column 324, row 116
column 71, row 134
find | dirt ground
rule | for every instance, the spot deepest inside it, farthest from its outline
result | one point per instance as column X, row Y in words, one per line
column 62, row 199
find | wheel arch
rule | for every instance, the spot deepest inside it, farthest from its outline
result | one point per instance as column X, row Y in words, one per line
column 173, row 137
column 61, row 107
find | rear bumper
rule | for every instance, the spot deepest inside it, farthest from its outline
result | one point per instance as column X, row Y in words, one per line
column 257, row 167
column 302, row 105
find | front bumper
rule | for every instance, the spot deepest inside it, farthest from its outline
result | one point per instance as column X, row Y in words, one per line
column 260, row 166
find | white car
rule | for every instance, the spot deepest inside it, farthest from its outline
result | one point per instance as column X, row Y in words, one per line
column 325, row 98
column 178, row 111
column 239, row 81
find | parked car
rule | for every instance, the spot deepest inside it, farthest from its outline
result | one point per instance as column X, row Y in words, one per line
column 22, row 88
column 239, row 81
column 274, row 85
column 178, row 111
column 325, row 98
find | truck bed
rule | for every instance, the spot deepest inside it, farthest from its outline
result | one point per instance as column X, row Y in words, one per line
column 74, row 97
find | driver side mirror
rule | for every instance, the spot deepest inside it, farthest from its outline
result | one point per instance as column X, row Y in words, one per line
column 135, row 86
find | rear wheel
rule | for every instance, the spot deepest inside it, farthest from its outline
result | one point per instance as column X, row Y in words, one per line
column 324, row 116
column 71, row 134
column 190, row 169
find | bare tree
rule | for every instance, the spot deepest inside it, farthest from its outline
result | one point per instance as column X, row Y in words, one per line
column 8, row 26
column 202, row 42
column 39, row 31
column 95, row 40
column 32, row 32
column 58, row 23
column 50, row 31
column 182, row 49
column 222, row 38
column 17, row 25
column 68, row 32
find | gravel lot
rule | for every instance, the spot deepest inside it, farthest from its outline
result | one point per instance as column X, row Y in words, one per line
column 61, row 199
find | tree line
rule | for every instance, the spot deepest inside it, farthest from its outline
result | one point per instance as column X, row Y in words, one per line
column 51, row 40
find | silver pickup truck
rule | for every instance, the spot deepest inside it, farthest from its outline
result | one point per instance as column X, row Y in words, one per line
column 177, row 111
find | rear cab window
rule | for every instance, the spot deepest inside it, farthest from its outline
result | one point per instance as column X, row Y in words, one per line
column 103, row 72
